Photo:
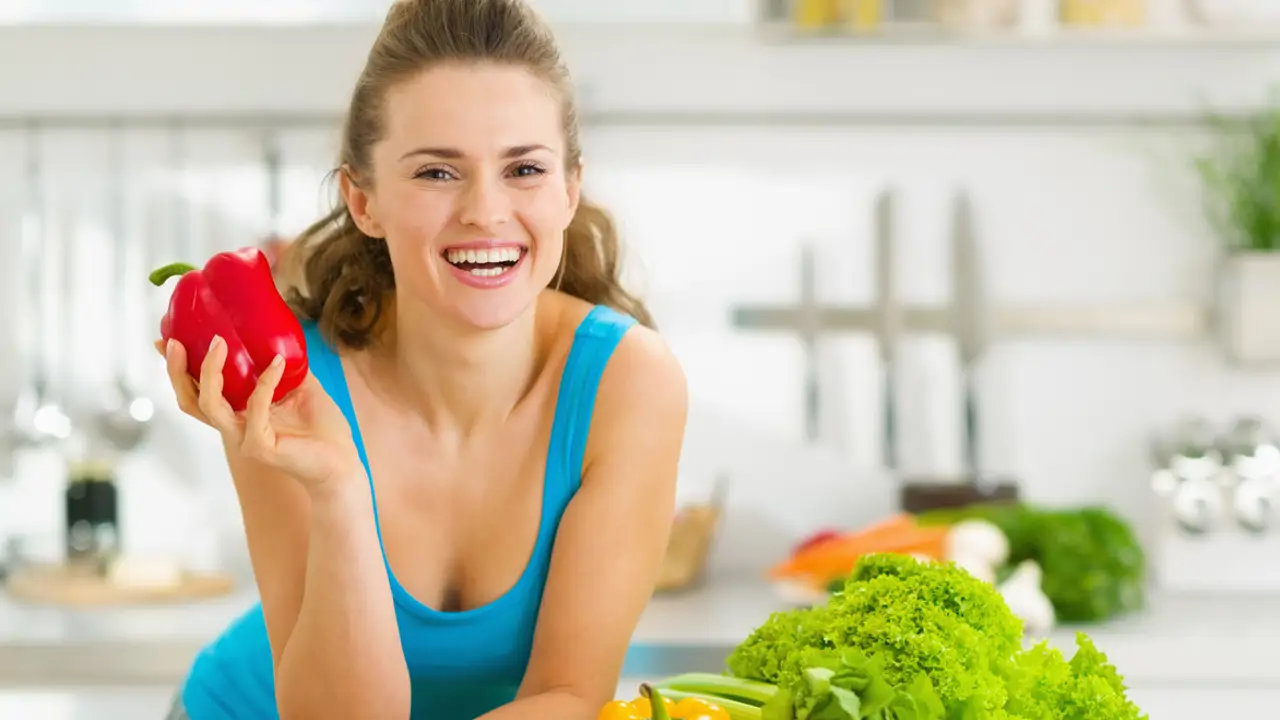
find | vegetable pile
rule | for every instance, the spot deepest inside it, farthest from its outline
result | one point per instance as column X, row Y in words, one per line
column 908, row 639
column 1093, row 566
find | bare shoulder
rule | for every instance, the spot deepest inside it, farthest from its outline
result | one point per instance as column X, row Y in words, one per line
column 642, row 377
column 643, row 365
column 642, row 401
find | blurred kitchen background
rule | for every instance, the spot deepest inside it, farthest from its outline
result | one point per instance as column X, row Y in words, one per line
column 912, row 253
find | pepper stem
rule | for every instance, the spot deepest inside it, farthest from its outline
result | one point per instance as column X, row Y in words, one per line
column 656, row 701
column 161, row 275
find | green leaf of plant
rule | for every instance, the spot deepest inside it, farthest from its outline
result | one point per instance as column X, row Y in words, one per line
column 839, row 704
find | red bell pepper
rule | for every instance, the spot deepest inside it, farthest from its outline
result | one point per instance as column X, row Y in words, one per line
column 816, row 539
column 234, row 296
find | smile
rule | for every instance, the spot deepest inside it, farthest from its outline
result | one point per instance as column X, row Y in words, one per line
column 486, row 263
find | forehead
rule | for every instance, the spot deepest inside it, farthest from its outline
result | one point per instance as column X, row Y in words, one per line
column 473, row 107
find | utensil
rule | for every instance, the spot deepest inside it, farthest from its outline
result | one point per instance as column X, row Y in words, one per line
column 810, row 330
column 276, row 243
column 1190, row 475
column 124, row 419
column 1253, row 459
column 888, row 323
column 38, row 417
column 971, row 323
column 273, row 170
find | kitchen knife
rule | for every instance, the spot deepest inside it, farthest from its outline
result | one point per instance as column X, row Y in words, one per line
column 970, row 322
column 810, row 320
column 888, row 322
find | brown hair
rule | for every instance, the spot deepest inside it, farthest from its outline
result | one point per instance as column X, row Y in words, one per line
column 340, row 277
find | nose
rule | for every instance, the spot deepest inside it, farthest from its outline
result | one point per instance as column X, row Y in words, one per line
column 485, row 204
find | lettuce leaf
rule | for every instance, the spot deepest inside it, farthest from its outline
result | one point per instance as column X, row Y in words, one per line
column 920, row 640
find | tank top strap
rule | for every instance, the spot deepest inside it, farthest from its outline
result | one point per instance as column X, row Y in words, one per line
column 327, row 368
column 593, row 344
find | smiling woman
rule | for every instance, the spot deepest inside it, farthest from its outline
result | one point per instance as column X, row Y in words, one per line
column 411, row 162
column 432, row 514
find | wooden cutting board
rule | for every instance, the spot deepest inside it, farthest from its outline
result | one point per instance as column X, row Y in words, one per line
column 65, row 585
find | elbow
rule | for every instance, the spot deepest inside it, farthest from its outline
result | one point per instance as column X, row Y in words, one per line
column 367, row 706
column 370, row 698
column 385, row 711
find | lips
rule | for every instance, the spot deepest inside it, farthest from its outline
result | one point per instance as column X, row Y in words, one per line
column 485, row 265
column 484, row 261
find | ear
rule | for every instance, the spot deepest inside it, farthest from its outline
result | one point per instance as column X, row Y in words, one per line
column 360, row 204
column 573, row 185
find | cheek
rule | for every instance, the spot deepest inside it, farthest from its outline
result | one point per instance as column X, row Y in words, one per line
column 412, row 213
column 546, row 215
column 412, row 221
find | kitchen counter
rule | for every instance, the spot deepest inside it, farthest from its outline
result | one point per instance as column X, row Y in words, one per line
column 1179, row 640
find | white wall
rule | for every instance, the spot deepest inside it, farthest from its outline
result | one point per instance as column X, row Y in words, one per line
column 148, row 11
column 1069, row 213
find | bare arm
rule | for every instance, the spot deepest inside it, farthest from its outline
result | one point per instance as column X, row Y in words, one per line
column 325, row 596
column 309, row 520
column 614, row 532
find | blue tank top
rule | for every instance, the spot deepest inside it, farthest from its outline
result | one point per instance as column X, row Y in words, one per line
column 462, row 664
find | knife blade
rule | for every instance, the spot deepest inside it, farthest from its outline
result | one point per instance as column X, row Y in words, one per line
column 810, row 321
column 969, row 321
column 888, row 322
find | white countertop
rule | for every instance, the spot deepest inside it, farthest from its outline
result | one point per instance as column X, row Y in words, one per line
column 1177, row 640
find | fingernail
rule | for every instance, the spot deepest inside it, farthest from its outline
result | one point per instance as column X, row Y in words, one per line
column 215, row 342
column 276, row 362
column 170, row 346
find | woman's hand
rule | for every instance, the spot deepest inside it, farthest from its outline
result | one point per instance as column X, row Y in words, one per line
column 305, row 434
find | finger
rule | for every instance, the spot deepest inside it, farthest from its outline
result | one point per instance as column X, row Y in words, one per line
column 184, row 387
column 258, row 435
column 212, row 403
column 160, row 346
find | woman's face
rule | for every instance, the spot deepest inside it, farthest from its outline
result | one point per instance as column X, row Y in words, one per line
column 470, row 191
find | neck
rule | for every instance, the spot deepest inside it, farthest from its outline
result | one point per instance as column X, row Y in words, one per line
column 459, row 379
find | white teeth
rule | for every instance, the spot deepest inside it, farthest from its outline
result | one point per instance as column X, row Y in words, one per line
column 492, row 255
column 487, row 272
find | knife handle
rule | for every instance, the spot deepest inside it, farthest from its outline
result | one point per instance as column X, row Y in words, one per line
column 890, row 422
column 813, row 406
column 971, row 428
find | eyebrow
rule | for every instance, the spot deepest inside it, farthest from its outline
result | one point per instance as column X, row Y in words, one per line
column 454, row 154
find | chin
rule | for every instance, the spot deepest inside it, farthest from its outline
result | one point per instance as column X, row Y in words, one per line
column 493, row 311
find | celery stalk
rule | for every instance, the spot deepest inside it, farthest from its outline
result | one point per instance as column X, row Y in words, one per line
column 737, row 709
column 748, row 691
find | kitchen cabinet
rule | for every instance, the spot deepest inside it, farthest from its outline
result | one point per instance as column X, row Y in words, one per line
column 670, row 63
column 648, row 11
column 86, row 703
column 306, row 11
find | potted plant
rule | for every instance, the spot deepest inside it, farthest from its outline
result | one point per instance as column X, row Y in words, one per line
column 1242, row 182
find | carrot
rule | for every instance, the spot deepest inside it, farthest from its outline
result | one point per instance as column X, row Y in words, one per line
column 838, row 556
column 895, row 526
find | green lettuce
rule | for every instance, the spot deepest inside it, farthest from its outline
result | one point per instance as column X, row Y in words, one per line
column 921, row 640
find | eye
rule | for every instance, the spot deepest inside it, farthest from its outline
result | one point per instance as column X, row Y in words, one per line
column 528, row 169
column 434, row 174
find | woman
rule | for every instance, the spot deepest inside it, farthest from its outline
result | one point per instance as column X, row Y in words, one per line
column 462, row 512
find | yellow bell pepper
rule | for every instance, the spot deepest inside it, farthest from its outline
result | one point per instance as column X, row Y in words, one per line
column 643, row 708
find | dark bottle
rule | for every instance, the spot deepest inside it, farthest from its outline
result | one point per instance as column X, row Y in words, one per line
column 92, row 516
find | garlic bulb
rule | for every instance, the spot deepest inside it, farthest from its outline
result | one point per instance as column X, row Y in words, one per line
column 1024, row 596
column 977, row 540
column 976, row 566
